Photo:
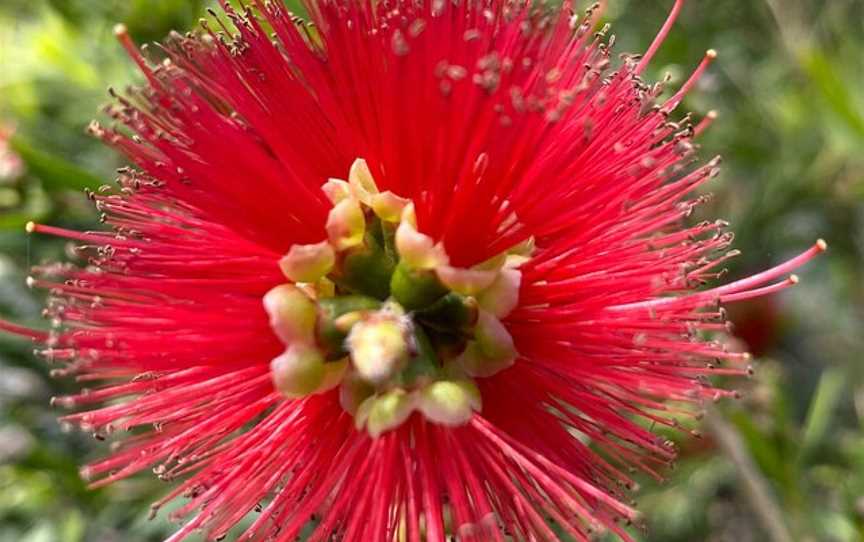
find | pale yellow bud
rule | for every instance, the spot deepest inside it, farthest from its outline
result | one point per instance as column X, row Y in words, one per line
column 336, row 190
column 493, row 337
column 418, row 250
column 362, row 183
column 465, row 281
column 382, row 413
column 292, row 314
column 308, row 263
column 299, row 372
column 353, row 391
column 388, row 206
column 346, row 224
column 409, row 215
column 502, row 296
column 494, row 263
column 526, row 248
column 379, row 348
column 449, row 402
column 334, row 373
column 491, row 352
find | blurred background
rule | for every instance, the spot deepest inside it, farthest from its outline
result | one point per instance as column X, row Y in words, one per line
column 789, row 89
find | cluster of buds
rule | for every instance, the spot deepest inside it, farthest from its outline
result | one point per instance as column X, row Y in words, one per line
column 377, row 310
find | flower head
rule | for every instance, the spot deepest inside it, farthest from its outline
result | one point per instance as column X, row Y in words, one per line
column 416, row 269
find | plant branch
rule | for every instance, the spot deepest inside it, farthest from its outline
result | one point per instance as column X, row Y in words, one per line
column 756, row 487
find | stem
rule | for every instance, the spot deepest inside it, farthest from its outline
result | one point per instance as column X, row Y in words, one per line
column 756, row 487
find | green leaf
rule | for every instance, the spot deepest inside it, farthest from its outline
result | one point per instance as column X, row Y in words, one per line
column 55, row 172
column 821, row 411
column 832, row 87
column 36, row 206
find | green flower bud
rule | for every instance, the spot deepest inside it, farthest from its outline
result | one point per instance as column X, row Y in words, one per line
column 367, row 270
column 453, row 313
column 423, row 366
column 415, row 288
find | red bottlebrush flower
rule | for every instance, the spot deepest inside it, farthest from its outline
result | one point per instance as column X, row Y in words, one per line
column 11, row 165
column 462, row 339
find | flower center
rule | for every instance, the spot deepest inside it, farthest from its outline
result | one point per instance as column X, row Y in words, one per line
column 378, row 311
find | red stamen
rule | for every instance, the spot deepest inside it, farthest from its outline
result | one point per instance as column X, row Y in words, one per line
column 705, row 123
column 661, row 36
column 21, row 331
column 675, row 100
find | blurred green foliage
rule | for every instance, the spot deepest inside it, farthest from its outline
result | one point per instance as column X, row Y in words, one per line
column 789, row 87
